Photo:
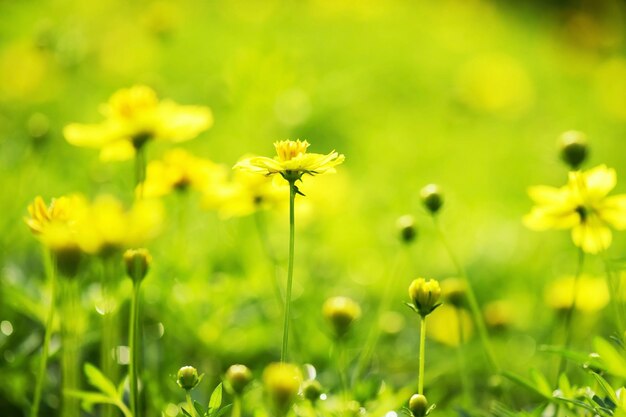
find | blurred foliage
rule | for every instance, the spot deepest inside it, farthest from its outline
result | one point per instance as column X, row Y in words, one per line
column 470, row 95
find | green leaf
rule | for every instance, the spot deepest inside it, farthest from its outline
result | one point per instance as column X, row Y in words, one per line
column 541, row 382
column 98, row 380
column 199, row 409
column 185, row 412
column 216, row 399
column 615, row 362
column 527, row 384
column 90, row 397
column 222, row 411
column 606, row 387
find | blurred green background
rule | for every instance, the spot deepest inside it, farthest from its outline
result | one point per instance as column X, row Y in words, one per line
column 468, row 94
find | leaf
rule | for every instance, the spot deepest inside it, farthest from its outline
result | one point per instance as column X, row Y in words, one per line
column 222, row 411
column 606, row 387
column 120, row 387
column 185, row 412
column 541, row 382
column 525, row 383
column 216, row 399
column 199, row 409
column 98, row 380
column 615, row 362
column 90, row 397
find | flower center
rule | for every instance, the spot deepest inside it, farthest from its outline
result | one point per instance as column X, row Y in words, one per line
column 582, row 212
column 289, row 149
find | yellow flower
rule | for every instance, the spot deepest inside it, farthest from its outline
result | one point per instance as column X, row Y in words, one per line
column 425, row 295
column 180, row 170
column 592, row 293
column 282, row 382
column 244, row 194
column 583, row 206
column 135, row 116
column 41, row 215
column 292, row 161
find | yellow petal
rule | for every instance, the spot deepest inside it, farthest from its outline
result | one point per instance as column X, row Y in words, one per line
column 181, row 123
column 599, row 181
column 592, row 236
column 545, row 195
column 120, row 150
column 613, row 211
column 91, row 136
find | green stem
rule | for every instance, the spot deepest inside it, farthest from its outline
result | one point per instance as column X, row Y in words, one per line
column 471, row 298
column 570, row 311
column 140, row 171
column 420, row 376
column 292, row 198
column 134, row 351
column 109, row 327
column 70, row 351
column 41, row 374
column 465, row 380
column 192, row 410
column 236, row 406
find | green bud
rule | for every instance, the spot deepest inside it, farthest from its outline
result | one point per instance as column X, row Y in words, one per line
column 137, row 263
column 432, row 198
column 312, row 389
column 340, row 313
column 573, row 148
column 188, row 378
column 425, row 295
column 418, row 405
column 406, row 225
column 237, row 378
column 282, row 383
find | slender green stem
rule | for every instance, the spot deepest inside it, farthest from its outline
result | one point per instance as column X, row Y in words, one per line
column 140, row 171
column 567, row 322
column 471, row 298
column 465, row 380
column 236, row 406
column 420, row 376
column 109, row 327
column 192, row 410
column 292, row 198
column 43, row 362
column 70, row 369
column 134, row 351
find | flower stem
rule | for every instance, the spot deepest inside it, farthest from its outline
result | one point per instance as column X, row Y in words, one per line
column 465, row 380
column 134, row 350
column 471, row 298
column 420, row 376
column 570, row 311
column 70, row 351
column 140, row 171
column 192, row 410
column 109, row 327
column 52, row 281
column 292, row 198
column 236, row 406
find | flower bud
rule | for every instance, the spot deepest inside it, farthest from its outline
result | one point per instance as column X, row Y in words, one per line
column 418, row 405
column 425, row 295
column 573, row 148
column 341, row 312
column 237, row 378
column 282, row 383
column 432, row 198
column 312, row 389
column 453, row 291
column 137, row 263
column 406, row 225
column 188, row 378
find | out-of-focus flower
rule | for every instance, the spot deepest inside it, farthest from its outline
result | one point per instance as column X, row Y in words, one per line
column 292, row 161
column 282, row 382
column 582, row 205
column 245, row 194
column 135, row 116
column 180, row 170
column 499, row 314
column 450, row 326
column 341, row 312
column 237, row 378
column 592, row 293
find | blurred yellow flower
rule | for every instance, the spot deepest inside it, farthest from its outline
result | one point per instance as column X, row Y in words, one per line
column 244, row 194
column 135, row 116
column 444, row 327
column 282, row 382
column 42, row 216
column 583, row 206
column 592, row 293
column 106, row 226
column 180, row 170
column 292, row 161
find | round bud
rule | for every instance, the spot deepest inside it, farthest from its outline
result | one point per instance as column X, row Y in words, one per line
column 237, row 378
column 418, row 405
column 432, row 198
column 137, row 263
column 425, row 295
column 187, row 378
column 282, row 383
column 341, row 312
column 573, row 148
column 453, row 291
column 406, row 225
column 312, row 389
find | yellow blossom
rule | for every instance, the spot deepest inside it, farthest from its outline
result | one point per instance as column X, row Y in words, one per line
column 134, row 116
column 282, row 382
column 179, row 170
column 592, row 293
column 425, row 295
column 292, row 161
column 582, row 205
column 41, row 215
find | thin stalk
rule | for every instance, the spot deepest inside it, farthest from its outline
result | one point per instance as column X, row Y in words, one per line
column 134, row 351
column 140, row 171
column 43, row 363
column 465, row 380
column 192, row 410
column 236, row 406
column 70, row 351
column 422, row 359
column 471, row 298
column 109, row 327
column 292, row 198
